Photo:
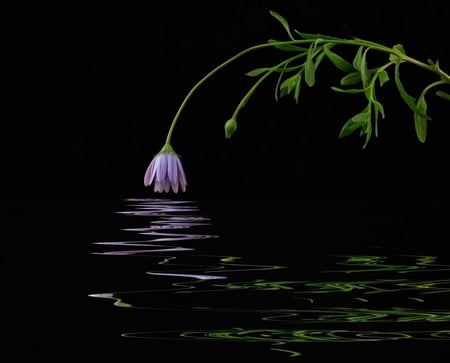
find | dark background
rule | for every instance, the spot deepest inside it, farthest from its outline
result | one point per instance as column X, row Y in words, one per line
column 93, row 94
column 96, row 95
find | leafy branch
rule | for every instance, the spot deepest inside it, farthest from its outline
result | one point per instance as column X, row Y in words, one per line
column 359, row 78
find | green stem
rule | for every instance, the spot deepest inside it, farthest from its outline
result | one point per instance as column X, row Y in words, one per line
column 209, row 75
column 435, row 69
column 432, row 85
column 245, row 99
column 359, row 42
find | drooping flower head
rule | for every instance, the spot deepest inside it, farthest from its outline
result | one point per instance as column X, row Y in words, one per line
column 166, row 171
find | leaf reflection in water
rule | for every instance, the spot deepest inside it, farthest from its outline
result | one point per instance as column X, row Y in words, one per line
column 358, row 297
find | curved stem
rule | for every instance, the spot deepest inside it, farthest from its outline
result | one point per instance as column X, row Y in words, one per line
column 260, row 80
column 359, row 42
column 209, row 75
column 432, row 85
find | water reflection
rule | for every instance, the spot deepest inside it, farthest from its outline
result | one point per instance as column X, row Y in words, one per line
column 357, row 297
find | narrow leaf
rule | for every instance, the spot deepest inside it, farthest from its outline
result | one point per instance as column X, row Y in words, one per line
column 383, row 77
column 349, row 90
column 350, row 79
column 315, row 36
column 365, row 76
column 257, row 71
column 368, row 132
column 309, row 66
column 355, row 123
column 409, row 100
column 277, row 86
column 378, row 108
column 297, row 87
column 338, row 61
column 348, row 128
column 357, row 59
column 362, row 117
column 283, row 22
column 287, row 47
column 289, row 84
column 443, row 95
column 420, row 122
column 354, row 77
column 319, row 59
column 288, row 69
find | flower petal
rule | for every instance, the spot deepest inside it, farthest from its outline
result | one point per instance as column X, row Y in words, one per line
column 161, row 167
column 158, row 187
column 175, row 187
column 166, row 186
column 181, row 175
column 172, row 168
column 150, row 173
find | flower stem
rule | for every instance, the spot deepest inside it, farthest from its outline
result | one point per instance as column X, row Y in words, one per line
column 245, row 99
column 337, row 41
column 205, row 78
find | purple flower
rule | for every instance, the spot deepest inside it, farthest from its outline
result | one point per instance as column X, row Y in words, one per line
column 166, row 170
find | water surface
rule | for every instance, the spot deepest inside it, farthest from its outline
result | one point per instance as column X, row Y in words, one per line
column 285, row 281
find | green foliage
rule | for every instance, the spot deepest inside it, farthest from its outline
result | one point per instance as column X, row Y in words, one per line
column 311, row 49
column 360, row 77
column 443, row 95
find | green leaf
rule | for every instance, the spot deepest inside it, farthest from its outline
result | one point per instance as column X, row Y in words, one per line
column 283, row 22
column 285, row 87
column 395, row 58
column 308, row 36
column 378, row 108
column 400, row 48
column 371, row 96
column 288, row 69
column 257, row 71
column 277, row 86
column 319, row 59
column 365, row 76
column 297, row 87
column 338, row 61
column 287, row 47
column 310, row 70
column 356, row 122
column 350, row 79
column 348, row 128
column 358, row 58
column 289, row 84
column 349, row 90
column 443, row 95
column 368, row 132
column 420, row 122
column 383, row 77
column 284, row 91
column 354, row 77
column 409, row 100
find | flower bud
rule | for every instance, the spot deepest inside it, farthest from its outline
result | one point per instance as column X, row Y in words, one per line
column 230, row 127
